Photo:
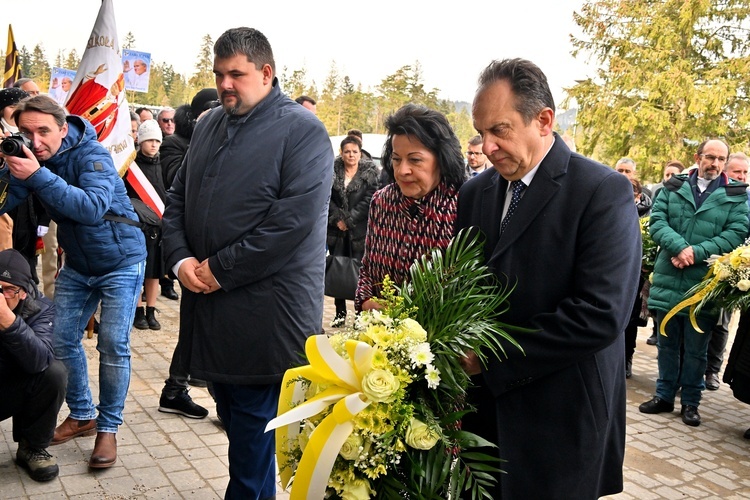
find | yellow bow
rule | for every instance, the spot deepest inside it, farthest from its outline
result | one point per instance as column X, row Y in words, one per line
column 344, row 380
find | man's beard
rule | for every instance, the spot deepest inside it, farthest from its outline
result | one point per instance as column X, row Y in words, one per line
column 231, row 110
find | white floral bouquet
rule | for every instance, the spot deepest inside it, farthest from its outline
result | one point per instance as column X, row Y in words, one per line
column 725, row 285
column 377, row 411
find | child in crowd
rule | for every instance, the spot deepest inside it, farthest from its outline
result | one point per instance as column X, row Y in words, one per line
column 147, row 159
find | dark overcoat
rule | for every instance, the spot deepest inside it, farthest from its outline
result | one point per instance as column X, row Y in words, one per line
column 573, row 251
column 252, row 198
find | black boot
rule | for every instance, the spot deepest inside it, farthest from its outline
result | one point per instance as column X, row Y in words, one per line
column 151, row 320
column 140, row 319
column 169, row 292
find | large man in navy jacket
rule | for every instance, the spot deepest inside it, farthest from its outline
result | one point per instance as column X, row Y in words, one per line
column 571, row 245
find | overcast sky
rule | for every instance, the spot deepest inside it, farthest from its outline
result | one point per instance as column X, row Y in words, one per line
column 366, row 43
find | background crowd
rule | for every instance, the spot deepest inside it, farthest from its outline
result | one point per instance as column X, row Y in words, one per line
column 256, row 209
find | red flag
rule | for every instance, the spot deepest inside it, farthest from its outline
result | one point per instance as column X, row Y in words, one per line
column 98, row 91
column 12, row 64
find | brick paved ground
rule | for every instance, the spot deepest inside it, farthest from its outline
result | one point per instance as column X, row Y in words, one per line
column 168, row 456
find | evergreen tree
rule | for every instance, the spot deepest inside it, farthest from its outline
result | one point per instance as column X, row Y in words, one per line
column 671, row 74
column 204, row 68
column 129, row 42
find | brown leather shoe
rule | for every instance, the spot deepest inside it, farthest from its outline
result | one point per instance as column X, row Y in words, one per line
column 105, row 451
column 71, row 428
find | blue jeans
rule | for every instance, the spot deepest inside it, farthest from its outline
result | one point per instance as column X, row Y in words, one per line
column 245, row 410
column 689, row 373
column 76, row 299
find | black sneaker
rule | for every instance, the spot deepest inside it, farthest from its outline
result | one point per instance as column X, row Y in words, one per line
column 338, row 321
column 656, row 405
column 690, row 415
column 182, row 404
column 41, row 465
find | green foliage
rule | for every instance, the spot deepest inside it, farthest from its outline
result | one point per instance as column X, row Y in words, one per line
column 204, row 68
column 129, row 42
column 459, row 302
column 650, row 248
column 671, row 73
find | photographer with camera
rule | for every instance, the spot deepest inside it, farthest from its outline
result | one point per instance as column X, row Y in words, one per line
column 76, row 180
column 30, row 220
column 32, row 381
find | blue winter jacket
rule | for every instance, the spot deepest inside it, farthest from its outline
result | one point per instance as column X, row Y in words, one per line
column 77, row 186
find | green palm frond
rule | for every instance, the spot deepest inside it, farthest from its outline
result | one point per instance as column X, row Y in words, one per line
column 460, row 303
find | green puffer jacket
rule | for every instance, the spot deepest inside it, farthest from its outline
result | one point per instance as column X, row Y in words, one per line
column 717, row 227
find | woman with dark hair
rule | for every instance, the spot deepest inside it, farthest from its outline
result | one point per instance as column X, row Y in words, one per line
column 417, row 212
column 355, row 180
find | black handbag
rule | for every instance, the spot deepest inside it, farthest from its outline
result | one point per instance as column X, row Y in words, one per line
column 342, row 270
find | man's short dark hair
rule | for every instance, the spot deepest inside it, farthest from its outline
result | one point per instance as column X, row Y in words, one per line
column 303, row 99
column 433, row 130
column 475, row 141
column 355, row 132
column 247, row 41
column 41, row 104
column 527, row 81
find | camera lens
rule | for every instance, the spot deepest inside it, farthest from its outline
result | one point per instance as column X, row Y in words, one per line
column 10, row 147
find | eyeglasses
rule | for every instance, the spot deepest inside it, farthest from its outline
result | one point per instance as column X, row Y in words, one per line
column 712, row 158
column 9, row 292
column 474, row 153
column 166, row 120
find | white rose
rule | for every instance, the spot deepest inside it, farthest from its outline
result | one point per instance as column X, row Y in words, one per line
column 743, row 285
column 379, row 385
column 359, row 489
column 420, row 436
column 350, row 448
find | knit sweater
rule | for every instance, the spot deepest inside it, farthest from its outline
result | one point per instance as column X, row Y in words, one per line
column 401, row 230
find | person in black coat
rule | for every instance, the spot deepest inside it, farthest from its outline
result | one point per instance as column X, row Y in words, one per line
column 32, row 381
column 737, row 371
column 570, row 247
column 355, row 180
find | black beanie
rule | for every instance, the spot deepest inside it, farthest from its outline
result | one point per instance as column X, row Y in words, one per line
column 200, row 102
column 11, row 96
column 14, row 268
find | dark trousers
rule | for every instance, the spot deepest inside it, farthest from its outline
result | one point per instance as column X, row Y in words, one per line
column 178, row 376
column 340, row 307
column 245, row 410
column 34, row 402
column 631, row 334
column 718, row 343
column 483, row 422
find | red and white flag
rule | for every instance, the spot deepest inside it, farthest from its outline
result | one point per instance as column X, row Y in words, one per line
column 98, row 91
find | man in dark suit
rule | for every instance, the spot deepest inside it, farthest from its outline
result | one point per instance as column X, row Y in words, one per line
column 569, row 241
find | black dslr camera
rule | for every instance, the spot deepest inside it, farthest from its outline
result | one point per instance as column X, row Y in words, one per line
column 13, row 145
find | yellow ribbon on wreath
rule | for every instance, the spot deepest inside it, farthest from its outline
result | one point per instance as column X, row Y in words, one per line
column 344, row 380
column 693, row 302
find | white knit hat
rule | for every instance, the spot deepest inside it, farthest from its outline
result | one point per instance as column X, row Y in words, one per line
column 149, row 129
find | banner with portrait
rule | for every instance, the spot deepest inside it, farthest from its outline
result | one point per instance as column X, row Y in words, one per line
column 136, row 66
column 60, row 82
